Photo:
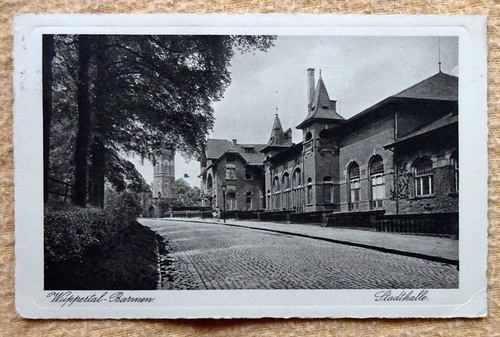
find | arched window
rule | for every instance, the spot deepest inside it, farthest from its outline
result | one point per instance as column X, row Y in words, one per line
column 454, row 166
column 308, row 136
column 377, row 182
column 354, row 187
column 296, row 178
column 309, row 191
column 276, row 184
column 209, row 182
column 297, row 189
column 285, row 185
column 423, row 177
column 276, row 193
column 326, row 134
column 327, row 190
column 286, row 181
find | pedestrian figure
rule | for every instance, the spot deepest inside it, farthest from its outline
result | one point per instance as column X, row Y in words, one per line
column 216, row 213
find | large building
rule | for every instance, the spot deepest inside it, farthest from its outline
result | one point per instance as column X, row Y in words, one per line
column 239, row 167
column 399, row 156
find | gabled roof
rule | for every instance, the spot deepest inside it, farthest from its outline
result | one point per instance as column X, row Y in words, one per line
column 442, row 87
column 216, row 148
column 438, row 124
column 322, row 108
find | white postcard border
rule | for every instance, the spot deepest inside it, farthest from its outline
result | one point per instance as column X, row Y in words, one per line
column 467, row 301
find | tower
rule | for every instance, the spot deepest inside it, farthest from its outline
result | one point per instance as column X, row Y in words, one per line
column 320, row 149
column 164, row 175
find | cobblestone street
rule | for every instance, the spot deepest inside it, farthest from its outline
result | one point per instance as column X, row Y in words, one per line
column 214, row 256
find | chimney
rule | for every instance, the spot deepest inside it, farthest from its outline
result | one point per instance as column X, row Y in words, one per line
column 310, row 77
column 235, row 141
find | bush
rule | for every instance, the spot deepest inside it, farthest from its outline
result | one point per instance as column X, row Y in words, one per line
column 99, row 249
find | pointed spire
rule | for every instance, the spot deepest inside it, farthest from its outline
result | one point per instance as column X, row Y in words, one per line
column 321, row 106
column 278, row 136
column 276, row 125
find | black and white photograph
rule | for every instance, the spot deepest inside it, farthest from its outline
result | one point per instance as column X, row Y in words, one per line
column 178, row 163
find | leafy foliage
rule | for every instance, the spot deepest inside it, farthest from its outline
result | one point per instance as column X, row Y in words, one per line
column 186, row 195
column 133, row 94
column 99, row 249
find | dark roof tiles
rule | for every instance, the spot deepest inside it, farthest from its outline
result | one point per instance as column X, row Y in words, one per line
column 441, row 87
column 321, row 106
column 216, row 148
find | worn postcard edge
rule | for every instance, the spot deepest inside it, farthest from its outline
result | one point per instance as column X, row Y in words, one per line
column 467, row 301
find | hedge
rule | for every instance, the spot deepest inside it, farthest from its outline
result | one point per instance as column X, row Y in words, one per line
column 100, row 249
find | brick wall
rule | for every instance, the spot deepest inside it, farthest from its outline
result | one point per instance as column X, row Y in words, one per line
column 239, row 186
column 360, row 147
column 439, row 147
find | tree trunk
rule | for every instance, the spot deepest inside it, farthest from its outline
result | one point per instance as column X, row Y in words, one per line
column 84, row 119
column 98, row 167
column 97, row 173
column 47, row 57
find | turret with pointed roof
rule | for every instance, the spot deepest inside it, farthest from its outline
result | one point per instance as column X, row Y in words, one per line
column 278, row 139
column 321, row 108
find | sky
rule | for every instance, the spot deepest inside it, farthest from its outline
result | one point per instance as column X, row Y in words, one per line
column 358, row 71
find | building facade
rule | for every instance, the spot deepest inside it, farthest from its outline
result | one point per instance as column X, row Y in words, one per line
column 240, row 168
column 399, row 156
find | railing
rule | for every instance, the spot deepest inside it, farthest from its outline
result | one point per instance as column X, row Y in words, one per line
column 60, row 188
column 308, row 218
column 281, row 216
column 364, row 220
column 437, row 223
column 248, row 215
column 430, row 224
column 185, row 214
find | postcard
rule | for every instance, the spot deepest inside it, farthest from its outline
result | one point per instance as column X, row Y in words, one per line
column 229, row 166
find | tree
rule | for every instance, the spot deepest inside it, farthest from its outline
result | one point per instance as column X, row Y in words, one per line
column 186, row 195
column 84, row 119
column 47, row 58
column 135, row 94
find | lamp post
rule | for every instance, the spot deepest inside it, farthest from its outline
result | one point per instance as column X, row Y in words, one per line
column 223, row 186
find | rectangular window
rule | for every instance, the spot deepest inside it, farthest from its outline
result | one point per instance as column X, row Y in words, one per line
column 231, row 201
column 230, row 173
column 230, row 159
column 354, row 195
column 423, row 178
column 249, row 203
column 423, row 186
column 378, row 190
column 248, row 175
column 327, row 194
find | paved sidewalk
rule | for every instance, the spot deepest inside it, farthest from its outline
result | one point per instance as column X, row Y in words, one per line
column 427, row 247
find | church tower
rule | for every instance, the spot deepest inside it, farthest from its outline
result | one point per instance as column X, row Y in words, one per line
column 320, row 149
column 164, row 175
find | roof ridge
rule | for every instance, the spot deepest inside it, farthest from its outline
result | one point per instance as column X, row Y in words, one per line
column 422, row 81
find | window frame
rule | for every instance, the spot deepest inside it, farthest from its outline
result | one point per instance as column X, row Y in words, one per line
column 354, row 179
column 422, row 175
column 377, row 172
